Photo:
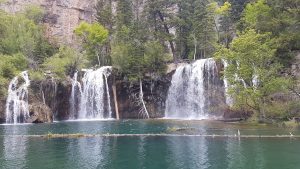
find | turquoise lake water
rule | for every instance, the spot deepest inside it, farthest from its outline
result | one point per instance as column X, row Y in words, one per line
column 148, row 152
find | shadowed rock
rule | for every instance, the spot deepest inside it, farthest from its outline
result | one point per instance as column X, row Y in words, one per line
column 40, row 113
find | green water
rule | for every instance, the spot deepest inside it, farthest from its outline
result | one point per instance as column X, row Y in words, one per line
column 148, row 152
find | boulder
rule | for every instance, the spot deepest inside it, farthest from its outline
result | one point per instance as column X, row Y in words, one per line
column 40, row 113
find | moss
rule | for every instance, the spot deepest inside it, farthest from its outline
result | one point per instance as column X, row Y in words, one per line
column 36, row 75
column 289, row 124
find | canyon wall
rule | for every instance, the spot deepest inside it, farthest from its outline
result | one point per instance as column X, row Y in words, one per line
column 61, row 16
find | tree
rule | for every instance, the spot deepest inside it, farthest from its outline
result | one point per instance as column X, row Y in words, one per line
column 105, row 17
column 255, row 12
column 282, row 19
column 154, row 58
column 21, row 34
column 204, row 34
column 104, row 14
column 184, row 41
column 225, row 30
column 252, row 72
column 124, row 14
column 93, row 37
column 237, row 8
column 160, row 16
column 10, row 66
column 65, row 62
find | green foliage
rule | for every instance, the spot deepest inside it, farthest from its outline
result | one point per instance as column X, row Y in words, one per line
column 104, row 13
column 20, row 34
column 154, row 57
column 250, row 57
column 10, row 66
column 224, row 9
column 93, row 37
column 124, row 13
column 196, row 29
column 34, row 13
column 255, row 12
column 36, row 75
column 65, row 62
column 93, row 33
column 136, row 60
column 282, row 19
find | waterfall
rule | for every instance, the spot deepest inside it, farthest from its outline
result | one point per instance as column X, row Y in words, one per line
column 17, row 109
column 196, row 89
column 255, row 83
column 75, row 96
column 229, row 100
column 95, row 95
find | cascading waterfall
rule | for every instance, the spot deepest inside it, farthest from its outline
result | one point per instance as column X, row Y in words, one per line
column 229, row 100
column 195, row 90
column 75, row 96
column 94, row 94
column 255, row 83
column 17, row 109
column 48, row 92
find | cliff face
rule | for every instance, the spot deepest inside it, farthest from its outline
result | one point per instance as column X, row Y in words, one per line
column 155, row 95
column 2, row 110
column 61, row 16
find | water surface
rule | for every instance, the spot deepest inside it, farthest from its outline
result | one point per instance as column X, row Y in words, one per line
column 148, row 152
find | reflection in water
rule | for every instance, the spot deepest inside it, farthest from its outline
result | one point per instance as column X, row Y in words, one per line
column 14, row 148
column 235, row 156
column 184, row 152
column 88, row 152
column 141, row 151
column 91, row 151
column 259, row 160
column 188, row 152
column 238, row 151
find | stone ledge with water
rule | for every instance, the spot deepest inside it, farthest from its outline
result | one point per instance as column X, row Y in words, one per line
column 190, row 91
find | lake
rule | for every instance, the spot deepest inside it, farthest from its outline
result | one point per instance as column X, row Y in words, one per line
column 179, row 145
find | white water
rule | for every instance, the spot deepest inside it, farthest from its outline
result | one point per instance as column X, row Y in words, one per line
column 17, row 109
column 94, row 96
column 255, row 83
column 188, row 96
column 229, row 100
column 75, row 96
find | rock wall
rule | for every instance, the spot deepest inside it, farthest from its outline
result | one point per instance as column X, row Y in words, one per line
column 50, row 98
column 2, row 110
column 39, row 111
column 61, row 16
column 155, row 95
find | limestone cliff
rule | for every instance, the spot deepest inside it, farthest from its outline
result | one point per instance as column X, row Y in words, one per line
column 61, row 16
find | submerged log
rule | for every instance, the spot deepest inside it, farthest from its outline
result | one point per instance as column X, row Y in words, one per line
column 232, row 120
column 80, row 135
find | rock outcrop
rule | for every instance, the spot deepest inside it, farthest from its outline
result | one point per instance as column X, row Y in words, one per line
column 40, row 113
column 155, row 95
column 61, row 16
column 62, row 100
column 50, row 99
column 2, row 110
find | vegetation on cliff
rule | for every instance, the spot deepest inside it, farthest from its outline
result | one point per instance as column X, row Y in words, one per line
column 259, row 38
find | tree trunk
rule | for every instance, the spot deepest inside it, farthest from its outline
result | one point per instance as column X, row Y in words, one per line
column 116, row 100
column 168, row 31
column 142, row 100
column 98, row 57
column 195, row 45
